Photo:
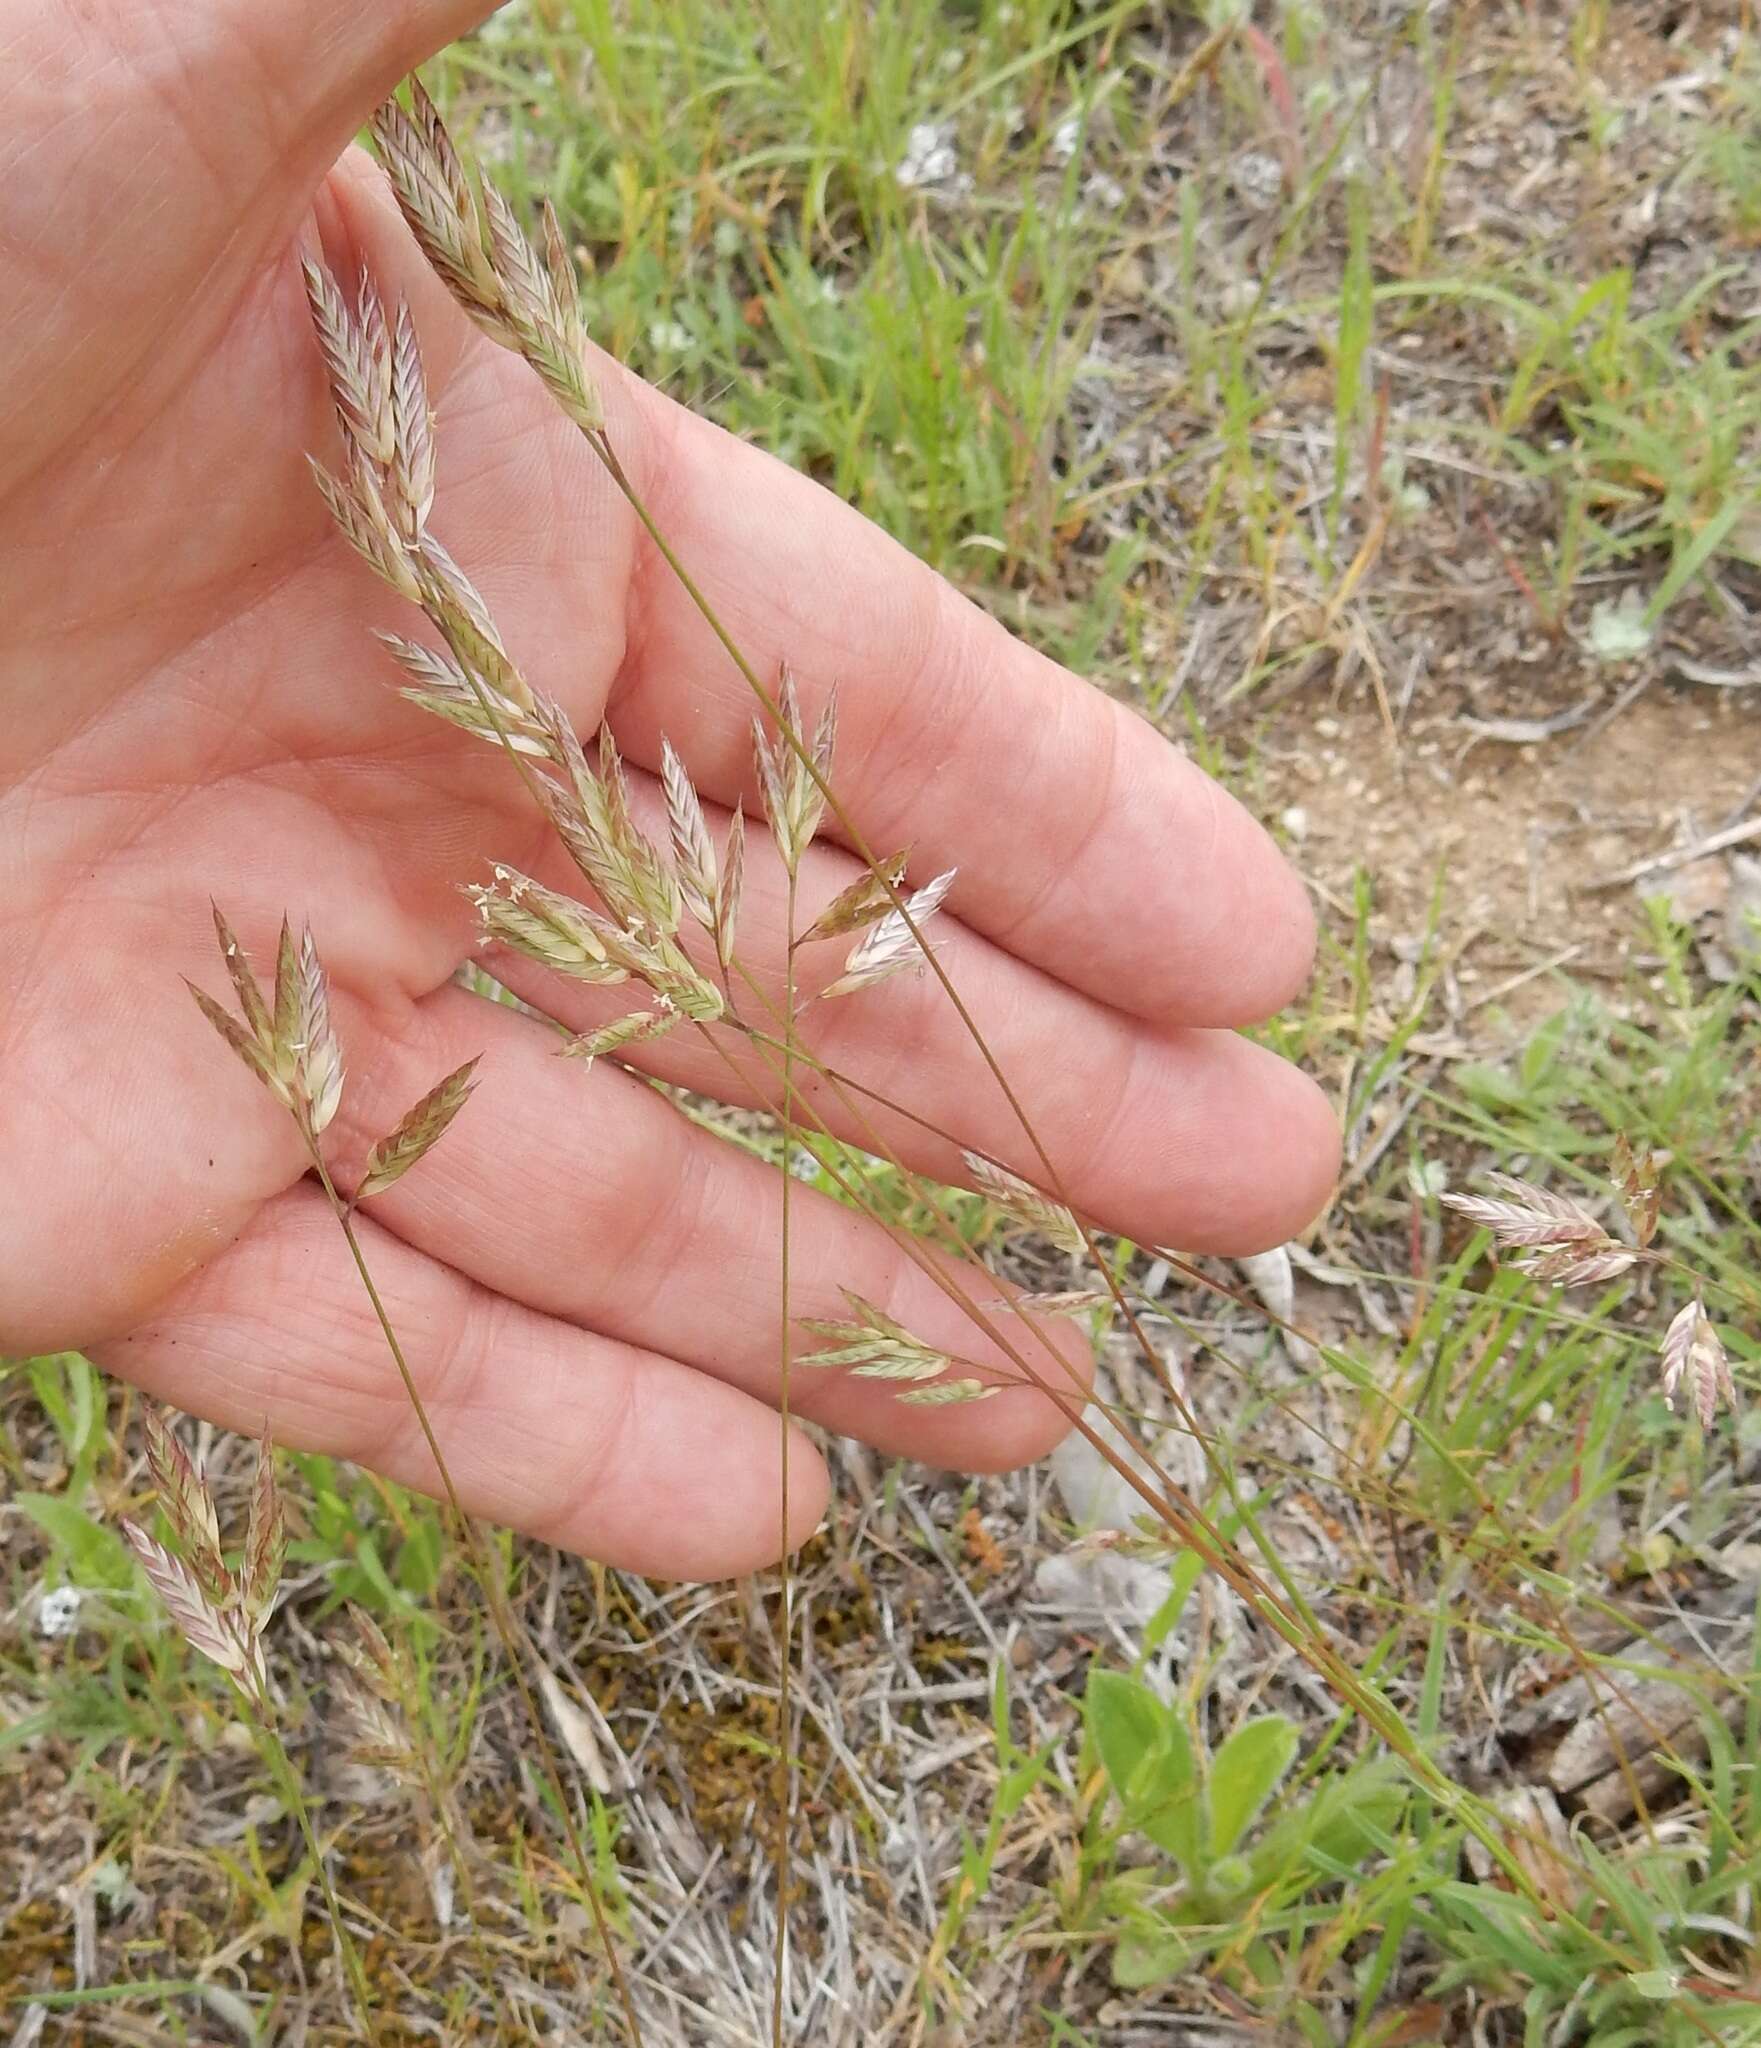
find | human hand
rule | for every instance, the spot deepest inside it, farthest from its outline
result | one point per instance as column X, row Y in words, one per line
column 191, row 707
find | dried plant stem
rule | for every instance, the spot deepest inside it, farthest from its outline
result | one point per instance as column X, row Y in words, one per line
column 786, row 1588
column 600, row 442
column 273, row 1751
column 1290, row 1617
column 483, row 1564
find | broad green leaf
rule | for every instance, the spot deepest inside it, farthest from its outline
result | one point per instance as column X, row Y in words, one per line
column 1245, row 1773
column 1125, row 1722
column 1145, row 1956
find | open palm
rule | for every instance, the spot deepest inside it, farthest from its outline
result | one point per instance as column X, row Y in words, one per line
column 191, row 707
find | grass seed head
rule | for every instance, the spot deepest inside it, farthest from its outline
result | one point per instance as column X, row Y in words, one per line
column 1693, row 1353
column 187, row 1505
column 694, row 858
column 418, row 1132
column 865, row 902
column 221, row 1634
column 635, row 1029
column 730, row 889
column 1022, row 1201
column 889, row 947
column 292, row 1049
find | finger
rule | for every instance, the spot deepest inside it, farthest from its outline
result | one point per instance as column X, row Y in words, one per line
column 589, row 1197
column 154, row 155
column 597, row 1446
column 1199, row 1139
column 1087, row 844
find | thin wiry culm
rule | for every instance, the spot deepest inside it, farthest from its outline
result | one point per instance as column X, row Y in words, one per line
column 889, row 947
column 1693, row 1354
column 1024, row 1202
column 418, row 1132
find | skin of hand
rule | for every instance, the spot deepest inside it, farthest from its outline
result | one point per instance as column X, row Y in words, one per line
column 192, row 708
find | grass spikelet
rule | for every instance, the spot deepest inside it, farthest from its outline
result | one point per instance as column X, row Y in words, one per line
column 218, row 1633
column 293, row 1051
column 439, row 685
column 187, row 1505
column 889, row 947
column 872, row 1344
column 794, row 803
column 949, row 1393
column 1527, row 1215
column 259, row 1579
column 728, row 893
column 1024, row 1203
column 694, row 858
column 418, row 1132
column 1692, row 1351
column 865, row 902
column 436, row 200
column 634, row 1029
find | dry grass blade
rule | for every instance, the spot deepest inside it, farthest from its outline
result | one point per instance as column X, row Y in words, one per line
column 418, row 1132
column 1022, row 1201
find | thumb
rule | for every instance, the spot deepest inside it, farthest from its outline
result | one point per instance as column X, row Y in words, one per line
column 160, row 151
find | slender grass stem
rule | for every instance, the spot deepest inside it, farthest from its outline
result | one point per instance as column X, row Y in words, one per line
column 514, row 1646
column 785, row 1599
column 273, row 1751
